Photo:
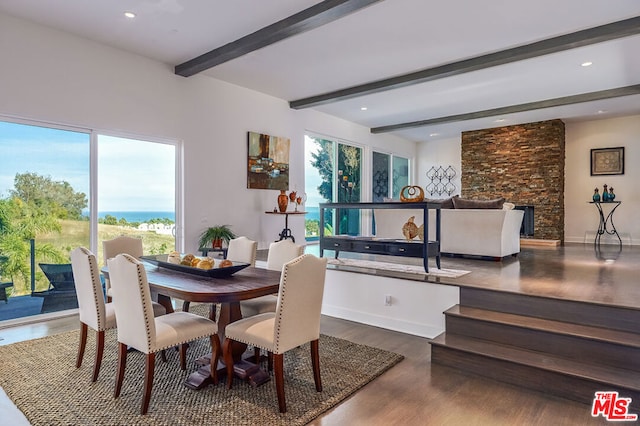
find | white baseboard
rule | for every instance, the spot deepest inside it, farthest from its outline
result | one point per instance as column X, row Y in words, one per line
column 417, row 329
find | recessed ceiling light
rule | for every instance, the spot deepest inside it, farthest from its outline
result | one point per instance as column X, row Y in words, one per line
column 363, row 108
column 602, row 111
column 499, row 120
column 130, row 15
column 434, row 134
column 586, row 64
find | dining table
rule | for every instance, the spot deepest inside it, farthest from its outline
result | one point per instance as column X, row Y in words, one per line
column 226, row 291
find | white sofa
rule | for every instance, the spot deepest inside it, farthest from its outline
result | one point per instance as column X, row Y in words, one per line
column 491, row 233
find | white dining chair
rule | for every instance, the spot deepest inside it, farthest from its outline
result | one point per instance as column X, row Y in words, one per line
column 117, row 245
column 129, row 245
column 279, row 253
column 132, row 302
column 93, row 311
column 242, row 249
column 296, row 321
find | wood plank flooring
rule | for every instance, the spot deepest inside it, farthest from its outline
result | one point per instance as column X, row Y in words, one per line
column 414, row 392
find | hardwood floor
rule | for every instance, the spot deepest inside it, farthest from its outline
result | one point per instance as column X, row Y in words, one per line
column 416, row 392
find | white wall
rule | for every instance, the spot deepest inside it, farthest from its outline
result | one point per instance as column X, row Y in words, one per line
column 416, row 306
column 445, row 152
column 56, row 77
column 581, row 218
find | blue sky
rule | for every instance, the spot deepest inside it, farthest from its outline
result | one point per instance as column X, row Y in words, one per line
column 311, row 175
column 133, row 175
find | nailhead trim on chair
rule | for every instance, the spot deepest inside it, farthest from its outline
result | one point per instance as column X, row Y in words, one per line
column 283, row 299
column 141, row 270
column 102, row 322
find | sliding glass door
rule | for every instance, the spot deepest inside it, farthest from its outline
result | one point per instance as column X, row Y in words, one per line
column 51, row 180
column 390, row 173
column 136, row 192
column 333, row 173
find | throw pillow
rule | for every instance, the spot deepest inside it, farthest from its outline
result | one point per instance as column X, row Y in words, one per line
column 462, row 203
column 508, row 206
column 446, row 203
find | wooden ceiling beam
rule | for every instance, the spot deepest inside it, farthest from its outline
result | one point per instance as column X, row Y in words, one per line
column 308, row 19
column 529, row 106
column 614, row 30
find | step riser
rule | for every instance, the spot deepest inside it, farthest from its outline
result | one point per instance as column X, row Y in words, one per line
column 576, row 348
column 573, row 388
column 616, row 318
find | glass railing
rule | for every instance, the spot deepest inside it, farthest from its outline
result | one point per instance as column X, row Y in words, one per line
column 29, row 287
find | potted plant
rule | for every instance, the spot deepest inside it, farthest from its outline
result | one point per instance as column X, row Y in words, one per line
column 215, row 235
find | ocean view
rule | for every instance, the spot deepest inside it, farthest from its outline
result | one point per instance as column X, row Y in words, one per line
column 313, row 213
column 139, row 216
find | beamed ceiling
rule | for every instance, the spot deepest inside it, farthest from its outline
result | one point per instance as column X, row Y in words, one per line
column 423, row 70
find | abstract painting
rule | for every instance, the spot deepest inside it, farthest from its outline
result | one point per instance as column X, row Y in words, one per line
column 268, row 162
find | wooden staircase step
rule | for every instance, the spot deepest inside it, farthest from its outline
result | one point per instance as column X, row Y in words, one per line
column 604, row 375
column 580, row 343
column 589, row 332
column 605, row 316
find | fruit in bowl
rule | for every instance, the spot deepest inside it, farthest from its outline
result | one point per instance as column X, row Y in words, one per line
column 225, row 263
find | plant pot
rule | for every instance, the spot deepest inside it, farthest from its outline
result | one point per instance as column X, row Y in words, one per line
column 216, row 243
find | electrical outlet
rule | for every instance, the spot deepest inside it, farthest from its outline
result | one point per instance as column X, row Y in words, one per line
column 387, row 300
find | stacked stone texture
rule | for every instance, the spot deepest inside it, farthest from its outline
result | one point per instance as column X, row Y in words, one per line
column 525, row 165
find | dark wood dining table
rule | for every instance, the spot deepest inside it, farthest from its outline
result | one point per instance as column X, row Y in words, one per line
column 246, row 284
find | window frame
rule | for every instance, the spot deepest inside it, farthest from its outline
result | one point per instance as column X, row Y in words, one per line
column 93, row 171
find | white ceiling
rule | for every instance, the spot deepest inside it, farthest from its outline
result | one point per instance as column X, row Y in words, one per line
column 386, row 39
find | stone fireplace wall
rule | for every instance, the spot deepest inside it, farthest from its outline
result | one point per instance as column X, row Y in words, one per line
column 524, row 164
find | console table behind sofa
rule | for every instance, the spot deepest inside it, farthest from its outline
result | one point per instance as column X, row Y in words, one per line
column 386, row 246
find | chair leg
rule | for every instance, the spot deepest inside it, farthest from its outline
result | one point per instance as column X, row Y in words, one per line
column 270, row 361
column 315, row 362
column 256, row 355
column 82, row 344
column 185, row 306
column 149, row 368
column 183, row 356
column 99, row 350
column 215, row 356
column 122, row 363
column 163, row 355
column 228, row 360
column 212, row 312
column 278, row 364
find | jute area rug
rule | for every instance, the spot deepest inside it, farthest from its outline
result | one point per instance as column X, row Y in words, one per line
column 399, row 267
column 41, row 378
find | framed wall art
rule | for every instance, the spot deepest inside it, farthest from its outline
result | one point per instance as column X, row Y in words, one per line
column 607, row 161
column 267, row 162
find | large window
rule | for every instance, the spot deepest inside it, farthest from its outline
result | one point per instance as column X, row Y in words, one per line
column 390, row 173
column 136, row 192
column 63, row 187
column 333, row 173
